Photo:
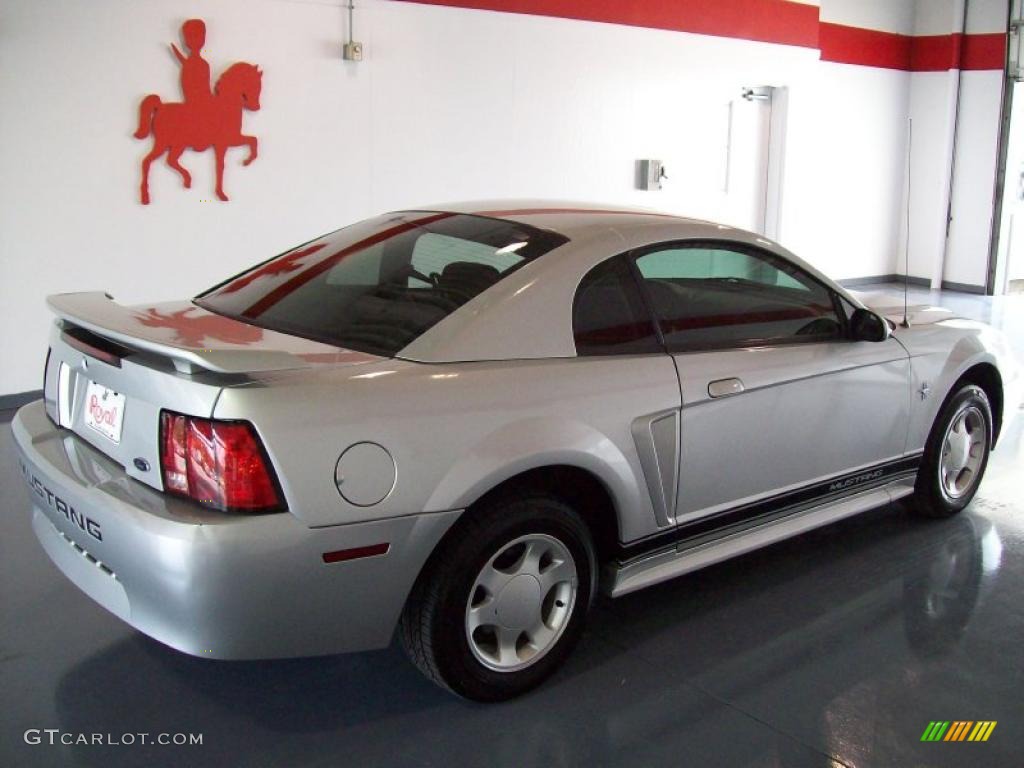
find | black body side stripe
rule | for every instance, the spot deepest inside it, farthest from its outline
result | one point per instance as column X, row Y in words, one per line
column 757, row 513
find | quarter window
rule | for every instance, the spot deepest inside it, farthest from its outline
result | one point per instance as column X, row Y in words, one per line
column 707, row 296
column 608, row 315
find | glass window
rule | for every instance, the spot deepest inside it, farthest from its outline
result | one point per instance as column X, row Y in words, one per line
column 432, row 253
column 609, row 316
column 708, row 296
column 704, row 263
column 378, row 285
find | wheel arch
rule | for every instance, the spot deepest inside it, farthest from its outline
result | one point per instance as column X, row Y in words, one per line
column 580, row 488
column 986, row 376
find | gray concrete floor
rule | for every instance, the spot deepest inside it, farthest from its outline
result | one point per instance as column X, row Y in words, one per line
column 835, row 648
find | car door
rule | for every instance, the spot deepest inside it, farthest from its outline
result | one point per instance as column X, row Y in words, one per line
column 779, row 404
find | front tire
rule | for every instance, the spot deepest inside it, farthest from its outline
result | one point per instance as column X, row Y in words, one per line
column 502, row 602
column 955, row 455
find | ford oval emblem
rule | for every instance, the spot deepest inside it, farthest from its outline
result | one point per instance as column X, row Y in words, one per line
column 141, row 464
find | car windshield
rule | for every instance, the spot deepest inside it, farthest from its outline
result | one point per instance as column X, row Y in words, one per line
column 377, row 285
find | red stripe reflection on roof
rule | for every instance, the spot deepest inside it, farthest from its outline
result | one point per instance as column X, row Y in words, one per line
column 542, row 211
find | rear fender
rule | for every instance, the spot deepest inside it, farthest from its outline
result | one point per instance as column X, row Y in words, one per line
column 525, row 445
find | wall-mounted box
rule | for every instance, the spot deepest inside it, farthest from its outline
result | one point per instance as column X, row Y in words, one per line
column 649, row 174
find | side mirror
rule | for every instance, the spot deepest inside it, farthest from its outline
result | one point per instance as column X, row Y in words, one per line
column 867, row 326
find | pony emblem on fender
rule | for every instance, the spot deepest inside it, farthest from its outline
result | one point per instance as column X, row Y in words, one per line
column 204, row 118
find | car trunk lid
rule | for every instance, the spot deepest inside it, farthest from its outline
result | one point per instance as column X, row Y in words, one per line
column 111, row 369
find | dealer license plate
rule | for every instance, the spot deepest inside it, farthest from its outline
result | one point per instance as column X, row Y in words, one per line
column 104, row 411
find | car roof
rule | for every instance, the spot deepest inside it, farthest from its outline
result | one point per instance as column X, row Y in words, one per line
column 528, row 314
column 575, row 218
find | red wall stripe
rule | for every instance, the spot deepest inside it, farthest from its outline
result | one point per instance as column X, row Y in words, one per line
column 770, row 21
column 984, row 51
column 868, row 47
column 927, row 53
column 935, row 53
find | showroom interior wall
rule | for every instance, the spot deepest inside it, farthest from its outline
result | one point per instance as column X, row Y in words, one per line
column 455, row 103
column 955, row 140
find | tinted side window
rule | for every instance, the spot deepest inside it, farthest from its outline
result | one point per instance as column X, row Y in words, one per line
column 608, row 314
column 711, row 296
column 704, row 263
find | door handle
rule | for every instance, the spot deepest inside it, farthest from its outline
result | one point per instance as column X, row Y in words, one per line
column 725, row 387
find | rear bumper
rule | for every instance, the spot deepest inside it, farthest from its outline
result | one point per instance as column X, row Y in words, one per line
column 210, row 584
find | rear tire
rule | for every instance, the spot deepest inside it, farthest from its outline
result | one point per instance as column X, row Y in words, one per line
column 503, row 600
column 956, row 454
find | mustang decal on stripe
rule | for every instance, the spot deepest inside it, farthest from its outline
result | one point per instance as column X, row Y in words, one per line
column 842, row 485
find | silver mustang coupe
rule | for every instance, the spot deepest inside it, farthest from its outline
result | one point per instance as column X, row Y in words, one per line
column 459, row 423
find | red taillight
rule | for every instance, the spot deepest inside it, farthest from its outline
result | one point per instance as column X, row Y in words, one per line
column 220, row 464
column 172, row 453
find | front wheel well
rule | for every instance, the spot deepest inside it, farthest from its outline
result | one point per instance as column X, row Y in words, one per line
column 579, row 488
column 986, row 376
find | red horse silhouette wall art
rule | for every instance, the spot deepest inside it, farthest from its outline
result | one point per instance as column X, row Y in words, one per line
column 204, row 118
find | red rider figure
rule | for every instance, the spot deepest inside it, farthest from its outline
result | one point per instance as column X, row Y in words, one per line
column 195, row 71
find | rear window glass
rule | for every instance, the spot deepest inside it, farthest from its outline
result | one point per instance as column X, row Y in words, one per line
column 378, row 285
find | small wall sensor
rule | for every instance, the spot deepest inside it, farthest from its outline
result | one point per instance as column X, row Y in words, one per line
column 649, row 174
column 353, row 52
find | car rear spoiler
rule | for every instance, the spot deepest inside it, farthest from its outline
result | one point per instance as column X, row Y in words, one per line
column 97, row 312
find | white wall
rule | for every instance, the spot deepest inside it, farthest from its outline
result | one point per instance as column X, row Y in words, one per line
column 881, row 15
column 842, row 206
column 932, row 109
column 976, row 157
column 962, row 258
column 449, row 104
column 977, row 142
column 1011, row 241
